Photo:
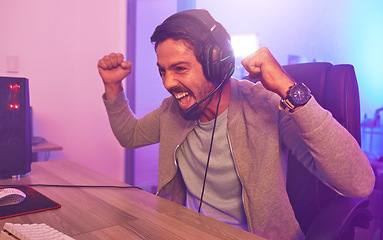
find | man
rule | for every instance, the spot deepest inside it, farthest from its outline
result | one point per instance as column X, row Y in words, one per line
column 223, row 141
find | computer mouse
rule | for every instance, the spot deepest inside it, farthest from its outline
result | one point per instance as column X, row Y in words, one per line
column 11, row 196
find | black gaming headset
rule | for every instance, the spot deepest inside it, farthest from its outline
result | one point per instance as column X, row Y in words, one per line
column 218, row 59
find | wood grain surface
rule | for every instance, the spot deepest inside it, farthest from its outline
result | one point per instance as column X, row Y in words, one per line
column 113, row 213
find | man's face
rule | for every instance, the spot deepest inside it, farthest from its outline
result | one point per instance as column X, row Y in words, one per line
column 182, row 74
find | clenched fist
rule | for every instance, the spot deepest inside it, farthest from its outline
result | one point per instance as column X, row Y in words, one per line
column 113, row 69
column 263, row 66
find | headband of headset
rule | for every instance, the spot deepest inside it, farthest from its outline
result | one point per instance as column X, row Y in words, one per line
column 217, row 57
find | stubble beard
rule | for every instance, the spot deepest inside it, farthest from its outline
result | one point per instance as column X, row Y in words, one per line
column 196, row 112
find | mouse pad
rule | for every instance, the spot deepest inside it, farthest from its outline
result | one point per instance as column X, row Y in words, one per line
column 34, row 202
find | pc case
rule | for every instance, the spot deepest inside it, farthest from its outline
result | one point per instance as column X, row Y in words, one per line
column 15, row 127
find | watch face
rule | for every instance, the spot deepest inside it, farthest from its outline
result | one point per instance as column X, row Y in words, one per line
column 300, row 94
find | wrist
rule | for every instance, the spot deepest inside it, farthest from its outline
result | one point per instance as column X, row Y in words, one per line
column 112, row 90
column 286, row 83
column 285, row 90
column 297, row 96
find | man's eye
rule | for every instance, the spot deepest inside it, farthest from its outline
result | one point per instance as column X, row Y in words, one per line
column 161, row 71
column 180, row 69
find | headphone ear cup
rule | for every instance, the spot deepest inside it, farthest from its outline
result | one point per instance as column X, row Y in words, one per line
column 219, row 63
column 226, row 63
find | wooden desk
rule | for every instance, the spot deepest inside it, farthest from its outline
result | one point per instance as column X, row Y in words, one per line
column 111, row 213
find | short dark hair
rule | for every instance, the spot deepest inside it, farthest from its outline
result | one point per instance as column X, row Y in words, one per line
column 187, row 29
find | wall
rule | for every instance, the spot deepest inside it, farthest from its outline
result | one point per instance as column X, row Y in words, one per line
column 58, row 44
column 365, row 38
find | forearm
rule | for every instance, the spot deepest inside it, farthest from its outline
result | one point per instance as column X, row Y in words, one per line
column 130, row 131
column 334, row 155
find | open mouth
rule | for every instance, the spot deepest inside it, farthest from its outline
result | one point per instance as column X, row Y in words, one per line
column 183, row 98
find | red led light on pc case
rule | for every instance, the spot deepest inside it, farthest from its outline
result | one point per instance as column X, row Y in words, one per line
column 14, row 104
column 14, row 88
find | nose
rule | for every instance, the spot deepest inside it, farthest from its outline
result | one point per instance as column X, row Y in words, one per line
column 169, row 80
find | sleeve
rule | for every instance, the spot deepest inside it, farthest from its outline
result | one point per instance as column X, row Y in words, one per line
column 327, row 149
column 130, row 131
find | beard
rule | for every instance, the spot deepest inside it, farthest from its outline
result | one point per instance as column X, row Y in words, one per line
column 203, row 97
column 194, row 112
column 191, row 115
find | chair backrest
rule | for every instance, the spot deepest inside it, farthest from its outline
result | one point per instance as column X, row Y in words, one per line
column 336, row 89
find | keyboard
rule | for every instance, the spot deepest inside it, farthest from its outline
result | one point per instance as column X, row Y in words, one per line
column 31, row 232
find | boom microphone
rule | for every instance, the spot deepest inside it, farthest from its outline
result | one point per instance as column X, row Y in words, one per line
column 194, row 107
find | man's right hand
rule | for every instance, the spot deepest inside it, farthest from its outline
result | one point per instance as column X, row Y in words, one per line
column 113, row 69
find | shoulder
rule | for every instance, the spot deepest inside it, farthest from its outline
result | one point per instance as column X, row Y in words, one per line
column 254, row 94
column 168, row 105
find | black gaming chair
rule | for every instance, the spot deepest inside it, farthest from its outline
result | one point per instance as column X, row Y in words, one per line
column 321, row 212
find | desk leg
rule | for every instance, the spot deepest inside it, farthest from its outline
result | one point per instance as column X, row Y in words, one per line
column 35, row 157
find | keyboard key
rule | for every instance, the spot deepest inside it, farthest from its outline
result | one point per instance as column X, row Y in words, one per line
column 31, row 232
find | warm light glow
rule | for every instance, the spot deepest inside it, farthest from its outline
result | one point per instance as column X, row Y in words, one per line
column 244, row 44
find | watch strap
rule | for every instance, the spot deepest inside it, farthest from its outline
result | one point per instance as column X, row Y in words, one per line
column 286, row 103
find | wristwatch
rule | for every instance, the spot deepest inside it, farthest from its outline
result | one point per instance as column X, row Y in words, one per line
column 299, row 94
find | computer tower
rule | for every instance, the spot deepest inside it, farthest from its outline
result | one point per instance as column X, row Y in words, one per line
column 15, row 127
